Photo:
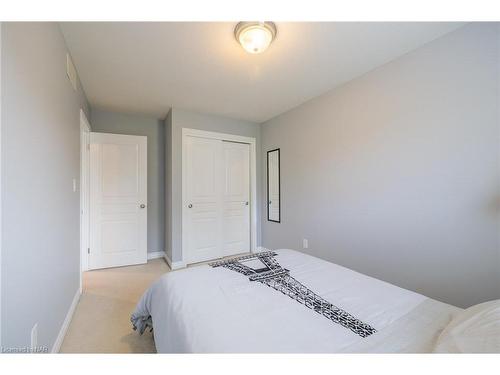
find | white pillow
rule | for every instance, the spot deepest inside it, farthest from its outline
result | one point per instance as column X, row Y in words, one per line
column 474, row 330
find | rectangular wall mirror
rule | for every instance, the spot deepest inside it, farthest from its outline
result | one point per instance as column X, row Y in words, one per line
column 273, row 186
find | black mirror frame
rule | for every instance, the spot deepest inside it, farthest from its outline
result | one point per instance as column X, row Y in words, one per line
column 279, row 185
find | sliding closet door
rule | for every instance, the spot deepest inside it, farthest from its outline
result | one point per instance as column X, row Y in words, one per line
column 217, row 194
column 203, row 198
column 236, row 196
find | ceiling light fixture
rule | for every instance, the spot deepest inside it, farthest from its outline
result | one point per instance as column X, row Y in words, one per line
column 255, row 37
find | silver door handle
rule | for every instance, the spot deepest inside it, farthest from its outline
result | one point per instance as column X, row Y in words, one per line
column 246, row 203
column 190, row 205
column 142, row 205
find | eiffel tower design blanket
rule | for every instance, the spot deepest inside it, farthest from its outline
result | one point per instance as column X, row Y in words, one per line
column 285, row 301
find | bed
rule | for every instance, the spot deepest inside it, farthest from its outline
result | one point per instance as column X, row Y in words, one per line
column 285, row 301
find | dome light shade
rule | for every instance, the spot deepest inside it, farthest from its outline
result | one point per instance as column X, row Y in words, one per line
column 255, row 37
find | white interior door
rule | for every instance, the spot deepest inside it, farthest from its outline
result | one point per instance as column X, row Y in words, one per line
column 118, row 197
column 217, row 195
column 203, row 198
column 236, row 198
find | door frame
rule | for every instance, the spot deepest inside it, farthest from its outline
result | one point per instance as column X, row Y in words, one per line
column 0, row 184
column 84, row 193
column 188, row 132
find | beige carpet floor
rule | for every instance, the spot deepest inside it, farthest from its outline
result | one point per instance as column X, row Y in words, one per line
column 101, row 323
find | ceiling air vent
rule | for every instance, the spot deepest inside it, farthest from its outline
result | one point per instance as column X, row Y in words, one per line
column 71, row 71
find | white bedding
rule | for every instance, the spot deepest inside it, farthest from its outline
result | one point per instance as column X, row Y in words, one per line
column 204, row 309
column 474, row 330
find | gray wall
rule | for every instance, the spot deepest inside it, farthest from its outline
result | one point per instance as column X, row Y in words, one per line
column 397, row 173
column 40, row 157
column 177, row 120
column 153, row 129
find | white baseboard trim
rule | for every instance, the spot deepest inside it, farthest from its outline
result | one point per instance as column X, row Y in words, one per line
column 64, row 328
column 156, row 255
column 174, row 265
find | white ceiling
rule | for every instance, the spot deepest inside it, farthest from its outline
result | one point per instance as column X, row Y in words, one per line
column 149, row 67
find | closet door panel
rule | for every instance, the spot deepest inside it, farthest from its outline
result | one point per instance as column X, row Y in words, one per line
column 236, row 198
column 204, row 199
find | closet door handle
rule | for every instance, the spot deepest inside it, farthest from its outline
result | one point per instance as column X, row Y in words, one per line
column 190, row 205
column 246, row 203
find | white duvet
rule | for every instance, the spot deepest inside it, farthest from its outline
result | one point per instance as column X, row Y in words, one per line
column 217, row 310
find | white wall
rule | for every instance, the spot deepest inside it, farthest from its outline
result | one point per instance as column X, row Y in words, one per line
column 40, row 158
column 396, row 174
column 175, row 121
